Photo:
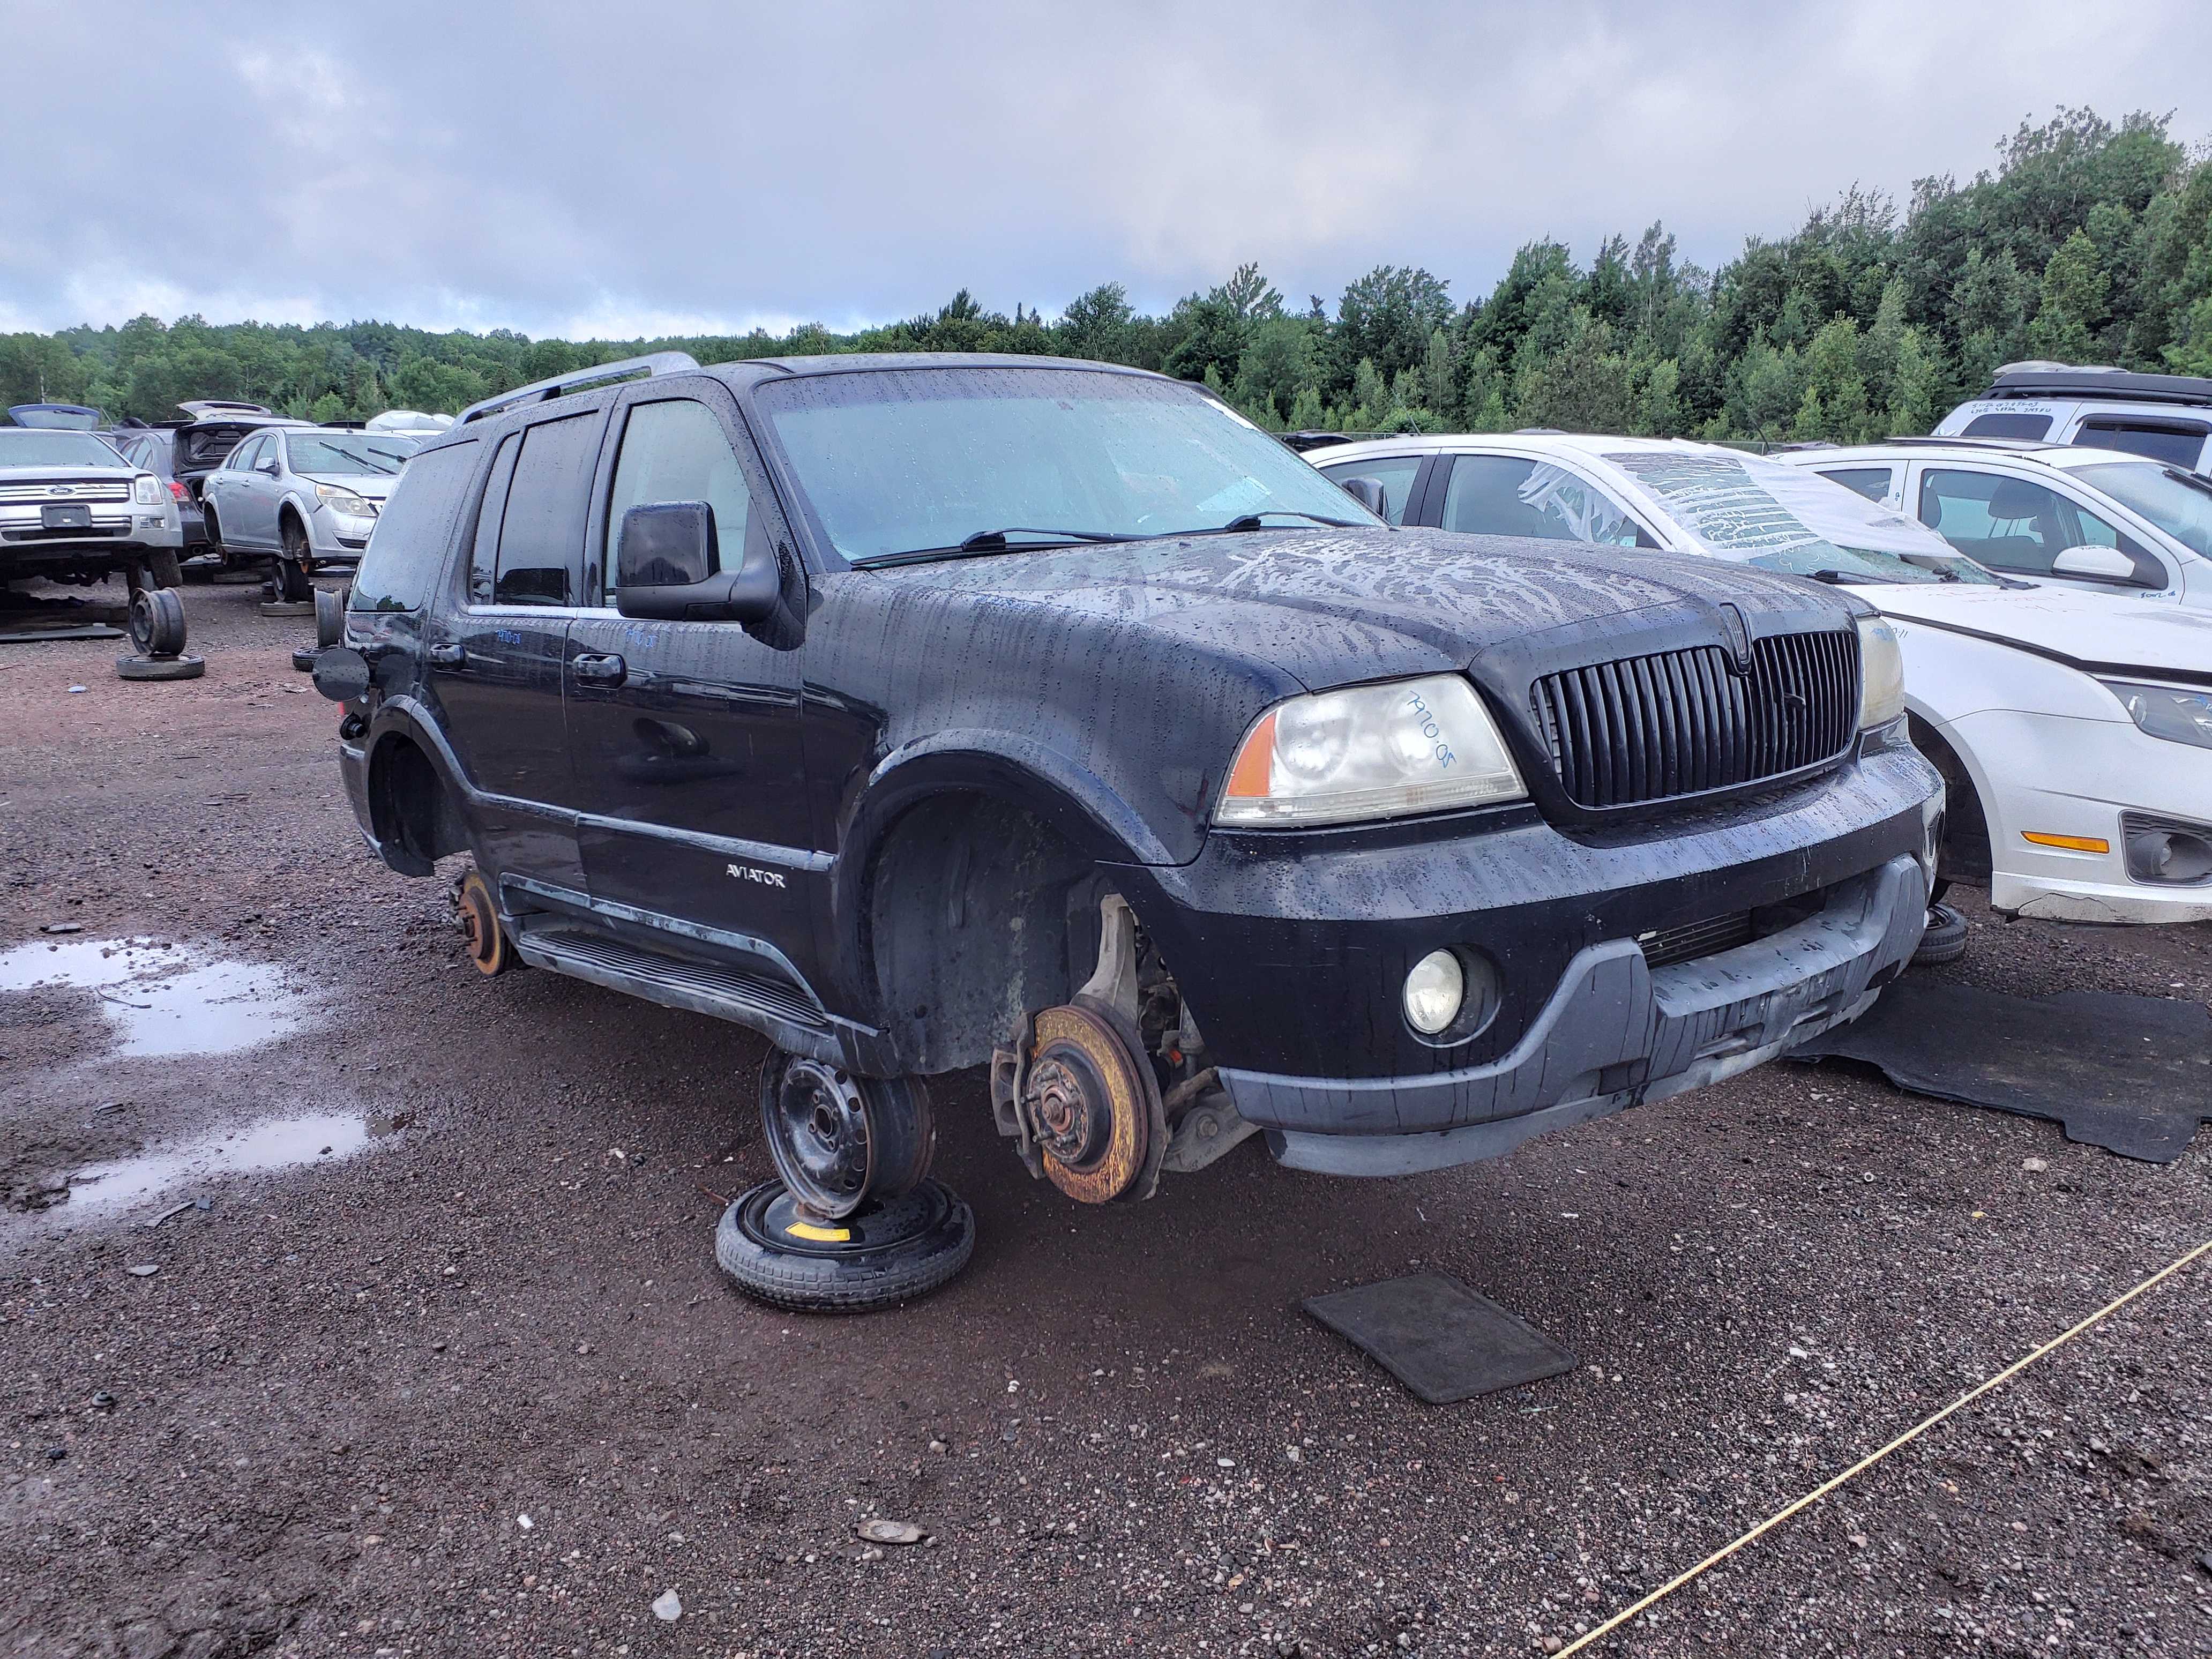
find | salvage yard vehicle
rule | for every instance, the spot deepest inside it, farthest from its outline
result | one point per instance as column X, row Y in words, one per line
column 202, row 442
column 936, row 712
column 304, row 496
column 153, row 449
column 2162, row 418
column 2060, row 515
column 2073, row 730
column 72, row 510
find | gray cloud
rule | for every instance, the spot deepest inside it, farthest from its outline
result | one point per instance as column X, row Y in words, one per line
column 586, row 169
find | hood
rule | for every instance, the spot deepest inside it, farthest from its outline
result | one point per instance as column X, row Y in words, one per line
column 2090, row 630
column 368, row 486
column 1338, row 607
column 122, row 469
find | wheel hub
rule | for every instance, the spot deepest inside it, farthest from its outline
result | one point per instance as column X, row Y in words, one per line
column 1094, row 1103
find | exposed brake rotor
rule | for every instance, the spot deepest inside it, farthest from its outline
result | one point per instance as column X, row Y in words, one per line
column 479, row 921
column 1095, row 1104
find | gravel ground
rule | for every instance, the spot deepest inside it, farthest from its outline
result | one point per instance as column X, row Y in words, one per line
column 475, row 1386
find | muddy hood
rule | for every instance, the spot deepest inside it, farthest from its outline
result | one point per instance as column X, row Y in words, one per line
column 1334, row 608
column 2092, row 629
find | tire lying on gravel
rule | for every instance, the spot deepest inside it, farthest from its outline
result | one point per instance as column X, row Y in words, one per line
column 887, row 1252
column 1945, row 939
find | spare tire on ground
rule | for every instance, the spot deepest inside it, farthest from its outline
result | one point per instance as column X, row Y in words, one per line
column 886, row 1252
column 1945, row 939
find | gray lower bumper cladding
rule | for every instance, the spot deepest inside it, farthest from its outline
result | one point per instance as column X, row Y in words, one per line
column 1616, row 1033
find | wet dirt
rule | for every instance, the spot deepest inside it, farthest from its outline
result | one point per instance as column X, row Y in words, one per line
column 476, row 1386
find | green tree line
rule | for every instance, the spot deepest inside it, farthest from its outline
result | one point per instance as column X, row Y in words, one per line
column 2088, row 242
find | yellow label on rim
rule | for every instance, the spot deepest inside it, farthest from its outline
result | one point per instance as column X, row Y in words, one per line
column 819, row 1234
column 2071, row 843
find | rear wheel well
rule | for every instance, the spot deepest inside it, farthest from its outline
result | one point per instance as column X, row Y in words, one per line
column 413, row 815
column 976, row 912
column 1964, row 854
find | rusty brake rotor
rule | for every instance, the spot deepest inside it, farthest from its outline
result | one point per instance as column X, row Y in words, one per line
column 1096, row 1105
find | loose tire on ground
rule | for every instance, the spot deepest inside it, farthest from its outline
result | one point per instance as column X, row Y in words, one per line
column 890, row 1252
column 1945, row 939
column 157, row 622
column 166, row 568
column 160, row 668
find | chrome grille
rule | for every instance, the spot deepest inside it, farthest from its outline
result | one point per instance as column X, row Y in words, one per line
column 1679, row 723
column 65, row 491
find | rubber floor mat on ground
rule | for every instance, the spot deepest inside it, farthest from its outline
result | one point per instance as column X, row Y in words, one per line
column 1441, row 1339
column 2130, row 1075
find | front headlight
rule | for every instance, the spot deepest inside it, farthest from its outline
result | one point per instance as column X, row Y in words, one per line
column 2167, row 711
column 1373, row 751
column 145, row 491
column 1881, row 674
column 343, row 502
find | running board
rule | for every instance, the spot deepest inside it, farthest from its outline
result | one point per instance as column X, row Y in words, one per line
column 778, row 1012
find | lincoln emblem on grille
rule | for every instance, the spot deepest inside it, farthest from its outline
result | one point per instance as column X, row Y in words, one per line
column 1736, row 634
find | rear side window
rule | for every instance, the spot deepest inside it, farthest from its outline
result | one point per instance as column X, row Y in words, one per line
column 2033, row 428
column 483, row 560
column 1396, row 474
column 408, row 547
column 1508, row 496
column 1871, row 482
column 2176, row 443
column 540, row 559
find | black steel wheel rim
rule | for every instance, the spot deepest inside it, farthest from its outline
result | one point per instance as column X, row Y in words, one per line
column 818, row 1132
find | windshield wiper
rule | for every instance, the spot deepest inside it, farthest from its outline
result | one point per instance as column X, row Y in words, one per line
column 1252, row 520
column 994, row 541
column 1843, row 577
column 380, row 471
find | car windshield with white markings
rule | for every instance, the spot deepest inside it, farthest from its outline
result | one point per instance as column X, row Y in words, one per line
column 1758, row 512
column 45, row 447
column 2178, row 502
column 915, row 465
column 350, row 454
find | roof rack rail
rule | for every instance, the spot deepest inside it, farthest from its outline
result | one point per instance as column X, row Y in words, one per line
column 2096, row 383
column 538, row 391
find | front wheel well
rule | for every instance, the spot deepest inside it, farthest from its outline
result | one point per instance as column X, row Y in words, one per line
column 1965, row 854
column 976, row 912
column 410, row 812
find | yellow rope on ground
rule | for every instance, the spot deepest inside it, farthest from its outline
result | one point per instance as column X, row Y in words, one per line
column 1873, row 1458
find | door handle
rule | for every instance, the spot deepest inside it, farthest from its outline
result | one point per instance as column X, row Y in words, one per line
column 449, row 656
column 594, row 669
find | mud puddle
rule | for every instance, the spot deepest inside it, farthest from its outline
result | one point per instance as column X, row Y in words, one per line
column 272, row 1144
column 160, row 999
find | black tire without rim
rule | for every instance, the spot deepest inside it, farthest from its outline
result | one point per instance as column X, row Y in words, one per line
column 895, row 1252
column 166, row 570
column 1945, row 939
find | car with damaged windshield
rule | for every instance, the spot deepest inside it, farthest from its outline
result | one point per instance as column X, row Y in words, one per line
column 2074, row 729
column 931, row 713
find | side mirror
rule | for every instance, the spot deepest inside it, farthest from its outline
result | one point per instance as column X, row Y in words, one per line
column 667, row 562
column 1368, row 492
column 2096, row 564
column 268, row 466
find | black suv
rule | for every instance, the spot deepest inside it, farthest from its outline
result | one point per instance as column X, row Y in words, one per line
column 933, row 712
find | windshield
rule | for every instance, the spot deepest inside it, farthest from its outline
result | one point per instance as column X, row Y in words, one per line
column 377, row 455
column 2176, row 503
column 40, row 446
column 1781, row 518
column 906, row 461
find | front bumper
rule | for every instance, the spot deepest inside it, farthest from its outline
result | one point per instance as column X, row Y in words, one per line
column 1616, row 1033
column 2054, row 776
column 1292, row 959
column 330, row 536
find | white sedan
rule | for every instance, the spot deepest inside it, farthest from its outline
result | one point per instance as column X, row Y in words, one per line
column 2074, row 729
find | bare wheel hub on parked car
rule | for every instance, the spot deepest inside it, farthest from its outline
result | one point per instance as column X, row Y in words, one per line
column 1087, row 1096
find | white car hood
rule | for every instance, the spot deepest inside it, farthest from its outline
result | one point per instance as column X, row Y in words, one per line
column 2083, row 628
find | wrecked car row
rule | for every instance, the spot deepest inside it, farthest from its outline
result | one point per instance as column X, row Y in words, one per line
column 2072, row 727
column 937, row 713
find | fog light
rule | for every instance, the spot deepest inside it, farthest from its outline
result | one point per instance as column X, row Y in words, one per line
column 1434, row 991
column 2167, row 851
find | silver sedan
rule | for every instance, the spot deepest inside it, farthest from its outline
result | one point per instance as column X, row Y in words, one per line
column 301, row 496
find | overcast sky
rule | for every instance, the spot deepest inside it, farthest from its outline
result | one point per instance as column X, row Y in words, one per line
column 633, row 168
